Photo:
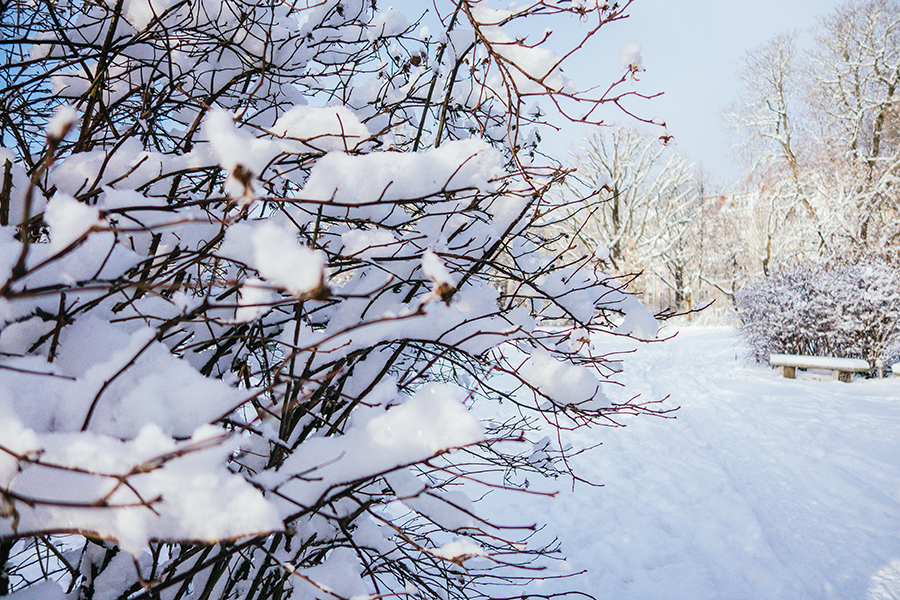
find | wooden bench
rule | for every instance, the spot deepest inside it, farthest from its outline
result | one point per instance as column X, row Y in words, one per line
column 895, row 368
column 841, row 368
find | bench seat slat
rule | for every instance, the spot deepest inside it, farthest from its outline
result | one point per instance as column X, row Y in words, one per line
column 819, row 362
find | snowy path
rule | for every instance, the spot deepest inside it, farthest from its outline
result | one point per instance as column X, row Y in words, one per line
column 762, row 488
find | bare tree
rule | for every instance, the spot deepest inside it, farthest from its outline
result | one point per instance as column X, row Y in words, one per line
column 640, row 200
column 771, row 127
column 855, row 92
column 856, row 76
column 766, row 118
column 819, row 131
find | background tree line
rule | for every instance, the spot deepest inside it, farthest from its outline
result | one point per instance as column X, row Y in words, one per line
column 817, row 126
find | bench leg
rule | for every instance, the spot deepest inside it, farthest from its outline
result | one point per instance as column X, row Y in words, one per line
column 789, row 372
column 842, row 376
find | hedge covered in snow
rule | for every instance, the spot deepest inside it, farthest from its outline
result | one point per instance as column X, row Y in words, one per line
column 845, row 310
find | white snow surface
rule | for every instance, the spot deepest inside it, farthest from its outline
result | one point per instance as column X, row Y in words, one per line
column 565, row 383
column 818, row 362
column 354, row 180
column 191, row 498
column 139, row 13
column 337, row 577
column 388, row 22
column 763, row 487
column 282, row 259
column 435, row 270
column 68, row 219
column 234, row 148
column 459, row 549
column 62, row 121
column 434, row 419
column 328, row 129
column 529, row 67
column 45, row 590
column 255, row 300
column 631, row 56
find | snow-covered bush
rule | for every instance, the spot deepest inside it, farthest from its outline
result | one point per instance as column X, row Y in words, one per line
column 850, row 311
column 257, row 263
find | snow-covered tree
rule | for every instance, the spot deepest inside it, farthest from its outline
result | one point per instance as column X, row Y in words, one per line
column 771, row 130
column 855, row 78
column 854, row 91
column 261, row 264
column 639, row 200
column 819, row 131
column 766, row 117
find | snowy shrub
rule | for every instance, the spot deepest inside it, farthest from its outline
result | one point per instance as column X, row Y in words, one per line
column 266, row 272
column 850, row 311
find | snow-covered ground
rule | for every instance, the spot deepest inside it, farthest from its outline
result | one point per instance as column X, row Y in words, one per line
column 763, row 487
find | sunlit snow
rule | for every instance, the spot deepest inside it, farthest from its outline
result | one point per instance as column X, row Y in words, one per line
column 761, row 488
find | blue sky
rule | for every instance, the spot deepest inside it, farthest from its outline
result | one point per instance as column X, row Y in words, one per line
column 691, row 50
